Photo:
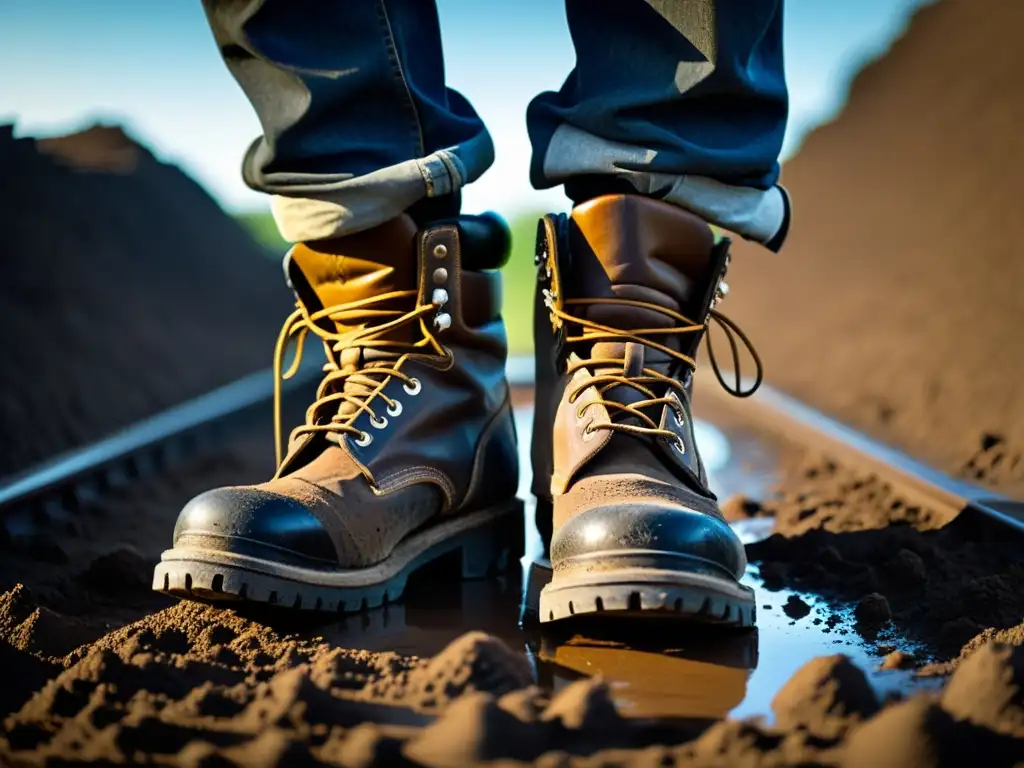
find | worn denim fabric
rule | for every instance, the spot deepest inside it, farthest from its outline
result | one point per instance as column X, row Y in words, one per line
column 684, row 100
column 357, row 122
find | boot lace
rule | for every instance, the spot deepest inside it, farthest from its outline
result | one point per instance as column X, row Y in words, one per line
column 373, row 322
column 595, row 332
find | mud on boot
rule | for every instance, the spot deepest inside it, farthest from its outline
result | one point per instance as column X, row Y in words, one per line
column 407, row 454
column 627, row 289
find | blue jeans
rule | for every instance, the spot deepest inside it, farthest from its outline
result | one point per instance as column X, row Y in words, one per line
column 683, row 100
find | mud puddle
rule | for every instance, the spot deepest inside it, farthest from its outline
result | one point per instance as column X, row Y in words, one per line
column 661, row 671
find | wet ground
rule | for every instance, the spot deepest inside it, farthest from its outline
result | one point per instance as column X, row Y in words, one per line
column 448, row 677
column 657, row 670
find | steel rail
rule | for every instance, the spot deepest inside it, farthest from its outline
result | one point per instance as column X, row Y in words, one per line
column 798, row 423
column 148, row 444
column 110, row 460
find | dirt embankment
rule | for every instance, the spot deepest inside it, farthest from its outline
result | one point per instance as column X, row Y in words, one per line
column 125, row 290
column 898, row 300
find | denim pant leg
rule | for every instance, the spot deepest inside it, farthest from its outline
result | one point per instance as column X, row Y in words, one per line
column 684, row 100
column 357, row 122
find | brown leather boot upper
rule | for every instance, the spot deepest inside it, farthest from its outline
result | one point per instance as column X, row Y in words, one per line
column 412, row 420
column 628, row 285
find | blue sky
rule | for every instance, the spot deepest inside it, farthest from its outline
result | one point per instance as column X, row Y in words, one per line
column 152, row 66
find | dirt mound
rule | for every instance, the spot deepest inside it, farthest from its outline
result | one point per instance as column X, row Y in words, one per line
column 896, row 304
column 197, row 686
column 936, row 586
column 125, row 289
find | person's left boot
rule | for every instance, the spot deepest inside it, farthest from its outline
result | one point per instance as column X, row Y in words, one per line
column 627, row 288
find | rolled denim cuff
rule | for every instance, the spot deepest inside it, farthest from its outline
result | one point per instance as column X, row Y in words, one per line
column 761, row 215
column 364, row 202
column 317, row 210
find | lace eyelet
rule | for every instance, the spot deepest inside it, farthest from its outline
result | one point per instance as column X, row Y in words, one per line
column 580, row 412
column 679, row 445
column 365, row 438
column 395, row 409
column 589, row 433
column 413, row 387
column 378, row 423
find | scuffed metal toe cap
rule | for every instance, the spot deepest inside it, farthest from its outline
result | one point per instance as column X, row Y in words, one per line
column 253, row 522
column 642, row 533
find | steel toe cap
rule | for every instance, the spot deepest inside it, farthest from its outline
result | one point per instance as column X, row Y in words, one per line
column 254, row 522
column 647, row 534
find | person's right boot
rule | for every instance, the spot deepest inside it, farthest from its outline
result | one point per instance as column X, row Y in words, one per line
column 408, row 452
column 627, row 287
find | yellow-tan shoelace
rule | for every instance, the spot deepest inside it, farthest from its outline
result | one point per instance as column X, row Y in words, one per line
column 595, row 332
column 367, row 335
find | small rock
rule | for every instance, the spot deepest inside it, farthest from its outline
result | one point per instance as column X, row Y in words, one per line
column 872, row 610
column 796, row 608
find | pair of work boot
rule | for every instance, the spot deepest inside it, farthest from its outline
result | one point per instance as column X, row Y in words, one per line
column 408, row 452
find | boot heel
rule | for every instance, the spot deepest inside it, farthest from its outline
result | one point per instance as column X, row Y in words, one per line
column 495, row 548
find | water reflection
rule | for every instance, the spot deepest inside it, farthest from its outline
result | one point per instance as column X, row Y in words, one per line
column 667, row 672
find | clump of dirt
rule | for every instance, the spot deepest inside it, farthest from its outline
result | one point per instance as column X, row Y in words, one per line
column 835, row 498
column 939, row 587
column 825, row 697
column 125, row 289
column 795, row 608
column 872, row 611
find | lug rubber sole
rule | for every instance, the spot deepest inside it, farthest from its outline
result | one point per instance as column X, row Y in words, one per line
column 487, row 542
column 647, row 593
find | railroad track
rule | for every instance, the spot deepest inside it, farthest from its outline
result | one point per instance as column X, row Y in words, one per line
column 79, row 484
column 55, row 490
column 41, row 495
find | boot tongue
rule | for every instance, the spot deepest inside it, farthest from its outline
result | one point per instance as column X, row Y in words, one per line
column 329, row 273
column 630, row 247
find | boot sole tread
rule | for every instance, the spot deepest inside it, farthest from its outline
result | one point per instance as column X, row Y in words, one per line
column 487, row 542
column 641, row 593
